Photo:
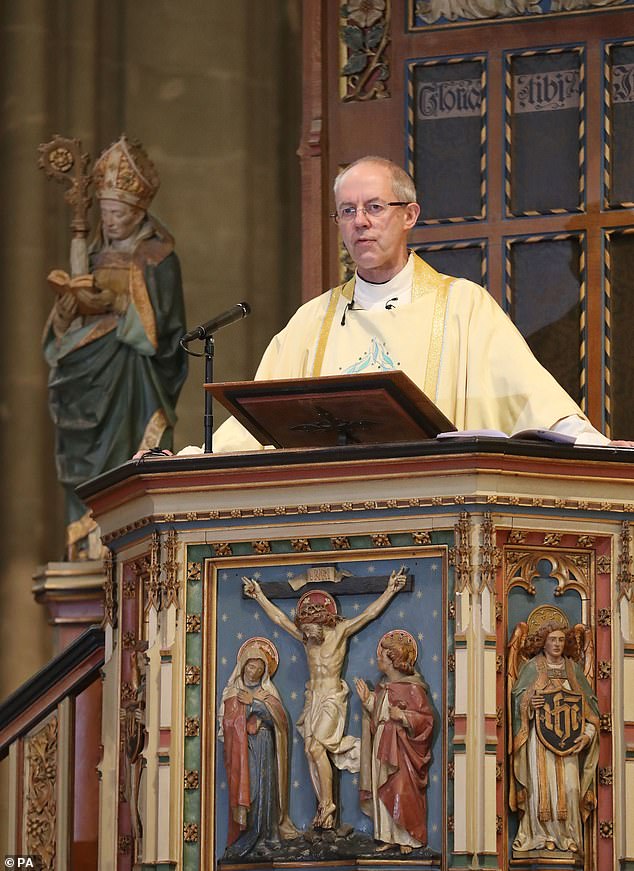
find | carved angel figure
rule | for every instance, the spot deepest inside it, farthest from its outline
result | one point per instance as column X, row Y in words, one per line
column 554, row 741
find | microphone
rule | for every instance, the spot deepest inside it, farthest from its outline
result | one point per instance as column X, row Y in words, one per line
column 203, row 331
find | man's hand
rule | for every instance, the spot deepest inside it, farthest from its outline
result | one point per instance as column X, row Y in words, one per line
column 537, row 701
column 245, row 697
column 621, row 443
column 96, row 301
column 152, row 452
column 64, row 312
column 397, row 580
column 580, row 743
column 398, row 715
column 251, row 588
column 362, row 689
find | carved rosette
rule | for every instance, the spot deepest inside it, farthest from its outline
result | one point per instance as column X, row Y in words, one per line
column 194, row 571
column 193, row 623
column 606, row 776
column 364, row 38
column 192, row 727
column 192, row 779
column 41, row 802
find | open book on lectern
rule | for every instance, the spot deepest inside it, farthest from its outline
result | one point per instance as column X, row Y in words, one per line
column 367, row 408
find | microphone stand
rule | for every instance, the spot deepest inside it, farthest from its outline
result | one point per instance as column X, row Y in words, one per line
column 206, row 331
column 209, row 408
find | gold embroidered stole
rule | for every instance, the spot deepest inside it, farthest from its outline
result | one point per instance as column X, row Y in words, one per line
column 426, row 280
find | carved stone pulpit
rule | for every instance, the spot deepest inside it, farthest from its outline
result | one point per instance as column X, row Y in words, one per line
column 515, row 604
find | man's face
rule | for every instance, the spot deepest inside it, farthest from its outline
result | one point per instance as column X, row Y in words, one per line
column 555, row 643
column 383, row 660
column 377, row 245
column 119, row 220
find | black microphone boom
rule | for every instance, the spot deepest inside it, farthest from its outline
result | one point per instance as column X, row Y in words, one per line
column 203, row 331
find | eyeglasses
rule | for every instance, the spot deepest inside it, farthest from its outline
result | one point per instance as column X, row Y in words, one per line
column 371, row 210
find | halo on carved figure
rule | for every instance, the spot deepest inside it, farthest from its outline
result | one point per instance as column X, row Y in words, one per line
column 259, row 647
column 318, row 598
column 400, row 635
column 546, row 614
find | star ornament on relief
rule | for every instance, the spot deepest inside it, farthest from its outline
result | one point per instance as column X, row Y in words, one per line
column 223, row 660
column 434, row 696
column 294, row 695
column 296, row 784
column 420, row 636
column 224, row 576
column 356, row 606
column 371, row 569
column 401, row 615
column 225, row 617
column 435, row 657
column 434, row 567
column 256, row 615
column 434, row 614
column 239, row 636
column 290, row 575
column 419, row 594
column 294, row 658
column 257, row 576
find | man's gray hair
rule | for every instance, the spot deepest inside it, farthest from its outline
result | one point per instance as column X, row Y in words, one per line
column 402, row 183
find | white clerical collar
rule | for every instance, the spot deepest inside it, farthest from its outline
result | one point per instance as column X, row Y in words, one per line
column 390, row 294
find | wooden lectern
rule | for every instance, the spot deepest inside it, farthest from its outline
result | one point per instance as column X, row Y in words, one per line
column 373, row 408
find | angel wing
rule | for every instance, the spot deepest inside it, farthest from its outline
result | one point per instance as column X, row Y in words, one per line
column 585, row 644
column 515, row 661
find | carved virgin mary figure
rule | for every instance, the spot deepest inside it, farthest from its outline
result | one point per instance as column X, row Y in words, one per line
column 254, row 729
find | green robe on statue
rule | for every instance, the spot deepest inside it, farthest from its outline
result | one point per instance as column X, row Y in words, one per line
column 115, row 378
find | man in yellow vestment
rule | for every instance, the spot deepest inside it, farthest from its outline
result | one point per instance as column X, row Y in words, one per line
column 447, row 334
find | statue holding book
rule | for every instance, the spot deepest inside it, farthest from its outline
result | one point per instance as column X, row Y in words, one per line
column 112, row 339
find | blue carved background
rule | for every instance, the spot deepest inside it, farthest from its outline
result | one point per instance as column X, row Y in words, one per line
column 421, row 611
